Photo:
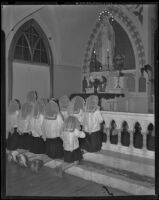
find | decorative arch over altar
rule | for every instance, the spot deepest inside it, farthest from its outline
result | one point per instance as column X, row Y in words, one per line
column 129, row 27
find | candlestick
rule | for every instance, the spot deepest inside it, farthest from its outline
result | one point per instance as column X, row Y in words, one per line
column 108, row 57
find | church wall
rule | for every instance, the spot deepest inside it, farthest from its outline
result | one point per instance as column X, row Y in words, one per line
column 68, row 29
column 28, row 77
column 66, row 80
column 138, row 104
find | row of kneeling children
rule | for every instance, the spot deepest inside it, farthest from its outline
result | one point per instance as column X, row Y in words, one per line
column 60, row 129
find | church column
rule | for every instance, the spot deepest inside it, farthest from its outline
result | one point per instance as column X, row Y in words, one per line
column 119, row 137
column 131, row 139
column 108, row 136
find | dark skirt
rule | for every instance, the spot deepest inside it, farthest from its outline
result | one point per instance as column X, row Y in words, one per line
column 13, row 140
column 125, row 138
column 54, row 147
column 92, row 142
column 37, row 146
column 138, row 140
column 75, row 155
column 150, row 142
column 26, row 141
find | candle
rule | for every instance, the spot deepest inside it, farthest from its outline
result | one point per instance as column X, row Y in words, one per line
column 107, row 52
column 108, row 58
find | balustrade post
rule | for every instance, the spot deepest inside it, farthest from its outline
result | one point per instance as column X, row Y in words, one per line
column 108, row 135
column 131, row 139
column 119, row 137
column 144, row 142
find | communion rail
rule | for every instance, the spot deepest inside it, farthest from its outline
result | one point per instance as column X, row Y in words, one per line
column 131, row 118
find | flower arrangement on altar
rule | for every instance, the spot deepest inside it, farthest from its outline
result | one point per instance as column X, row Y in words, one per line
column 98, row 82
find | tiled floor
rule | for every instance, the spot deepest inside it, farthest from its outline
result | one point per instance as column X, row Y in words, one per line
column 22, row 182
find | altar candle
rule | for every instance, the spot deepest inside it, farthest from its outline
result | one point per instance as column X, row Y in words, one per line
column 108, row 57
column 107, row 52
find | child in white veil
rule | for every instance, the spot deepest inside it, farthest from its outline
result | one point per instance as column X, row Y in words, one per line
column 51, row 128
column 78, row 106
column 24, row 125
column 12, row 121
column 92, row 125
column 64, row 104
column 38, row 144
column 32, row 96
column 70, row 135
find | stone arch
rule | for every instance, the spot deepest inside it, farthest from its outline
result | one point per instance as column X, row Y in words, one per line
column 133, row 33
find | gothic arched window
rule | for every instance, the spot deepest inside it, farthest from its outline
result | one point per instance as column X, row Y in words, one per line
column 30, row 46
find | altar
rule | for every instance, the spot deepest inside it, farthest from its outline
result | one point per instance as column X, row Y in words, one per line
column 104, row 82
column 100, row 95
column 103, row 74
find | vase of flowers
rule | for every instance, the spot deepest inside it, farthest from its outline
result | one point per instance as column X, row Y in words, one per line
column 99, row 83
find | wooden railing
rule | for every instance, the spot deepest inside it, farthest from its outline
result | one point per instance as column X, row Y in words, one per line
column 131, row 118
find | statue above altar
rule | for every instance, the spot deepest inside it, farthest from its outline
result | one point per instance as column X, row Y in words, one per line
column 104, row 48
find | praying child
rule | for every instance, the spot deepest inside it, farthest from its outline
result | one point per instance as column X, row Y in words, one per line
column 78, row 104
column 72, row 152
column 38, row 144
column 64, row 104
column 13, row 137
column 70, row 134
column 51, row 128
column 24, row 126
column 92, row 125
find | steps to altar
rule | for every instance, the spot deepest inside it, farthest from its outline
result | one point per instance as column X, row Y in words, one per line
column 134, row 164
column 130, row 174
